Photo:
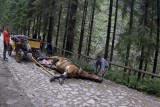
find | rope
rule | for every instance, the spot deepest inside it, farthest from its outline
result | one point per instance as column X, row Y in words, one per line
column 46, row 70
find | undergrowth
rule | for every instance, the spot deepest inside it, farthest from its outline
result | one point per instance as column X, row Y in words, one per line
column 147, row 84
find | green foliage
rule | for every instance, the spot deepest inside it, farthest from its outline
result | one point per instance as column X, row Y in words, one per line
column 133, row 82
column 150, row 86
column 116, row 77
column 147, row 85
column 83, row 64
column 22, row 14
column 141, row 36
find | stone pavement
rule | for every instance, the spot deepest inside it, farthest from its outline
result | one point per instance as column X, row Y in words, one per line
column 36, row 90
column 11, row 95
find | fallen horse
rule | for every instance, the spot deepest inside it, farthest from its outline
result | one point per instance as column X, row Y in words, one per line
column 67, row 69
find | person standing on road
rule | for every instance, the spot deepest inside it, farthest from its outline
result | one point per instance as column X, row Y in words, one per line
column 101, row 66
column 6, row 42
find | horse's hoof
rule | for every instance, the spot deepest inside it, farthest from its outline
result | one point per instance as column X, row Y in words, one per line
column 61, row 81
column 52, row 79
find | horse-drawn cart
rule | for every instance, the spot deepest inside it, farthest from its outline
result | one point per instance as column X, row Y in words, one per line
column 24, row 46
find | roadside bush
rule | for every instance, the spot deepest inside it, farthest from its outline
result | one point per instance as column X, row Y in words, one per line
column 116, row 76
column 147, row 84
column 133, row 82
column 83, row 64
column 151, row 86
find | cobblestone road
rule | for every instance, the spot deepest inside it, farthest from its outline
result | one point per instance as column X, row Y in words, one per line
column 35, row 86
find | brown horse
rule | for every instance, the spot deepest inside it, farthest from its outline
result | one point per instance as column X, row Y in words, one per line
column 67, row 69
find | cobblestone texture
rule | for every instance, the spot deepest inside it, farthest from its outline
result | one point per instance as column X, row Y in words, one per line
column 74, row 92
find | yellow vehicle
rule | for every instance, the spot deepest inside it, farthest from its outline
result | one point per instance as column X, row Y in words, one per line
column 24, row 46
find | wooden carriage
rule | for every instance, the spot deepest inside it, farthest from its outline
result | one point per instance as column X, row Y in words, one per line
column 24, row 46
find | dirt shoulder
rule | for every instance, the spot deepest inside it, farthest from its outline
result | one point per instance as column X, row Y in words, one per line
column 11, row 95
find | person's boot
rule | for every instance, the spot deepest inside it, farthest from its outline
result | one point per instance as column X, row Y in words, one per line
column 100, row 79
column 5, row 59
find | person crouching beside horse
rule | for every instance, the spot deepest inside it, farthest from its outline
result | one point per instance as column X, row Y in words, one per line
column 101, row 66
column 69, row 70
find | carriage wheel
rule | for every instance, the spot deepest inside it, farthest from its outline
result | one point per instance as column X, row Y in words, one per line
column 10, row 50
column 19, row 55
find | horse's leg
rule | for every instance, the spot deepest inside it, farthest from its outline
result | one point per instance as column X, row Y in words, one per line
column 61, row 77
column 56, row 77
column 64, row 75
column 92, row 77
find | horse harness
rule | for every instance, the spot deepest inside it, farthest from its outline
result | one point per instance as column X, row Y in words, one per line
column 70, row 63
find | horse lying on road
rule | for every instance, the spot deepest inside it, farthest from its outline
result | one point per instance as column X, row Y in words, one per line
column 69, row 70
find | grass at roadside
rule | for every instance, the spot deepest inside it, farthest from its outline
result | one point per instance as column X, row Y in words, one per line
column 147, row 84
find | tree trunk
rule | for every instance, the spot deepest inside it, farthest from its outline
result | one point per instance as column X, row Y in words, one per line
column 114, row 32
column 50, row 30
column 39, row 26
column 157, row 40
column 108, row 30
column 149, row 48
column 71, row 27
column 146, row 62
column 33, row 27
column 142, row 51
column 91, row 27
column 28, row 34
column 130, row 28
column 59, row 21
column 66, row 26
column 83, row 26
column 25, row 30
column 51, row 21
column 141, row 62
column 45, row 28
column 87, row 41
column 36, row 28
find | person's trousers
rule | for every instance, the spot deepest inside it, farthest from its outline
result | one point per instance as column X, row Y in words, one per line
column 102, row 73
column 5, row 50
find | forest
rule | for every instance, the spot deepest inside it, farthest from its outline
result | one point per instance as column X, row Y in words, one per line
column 125, row 32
